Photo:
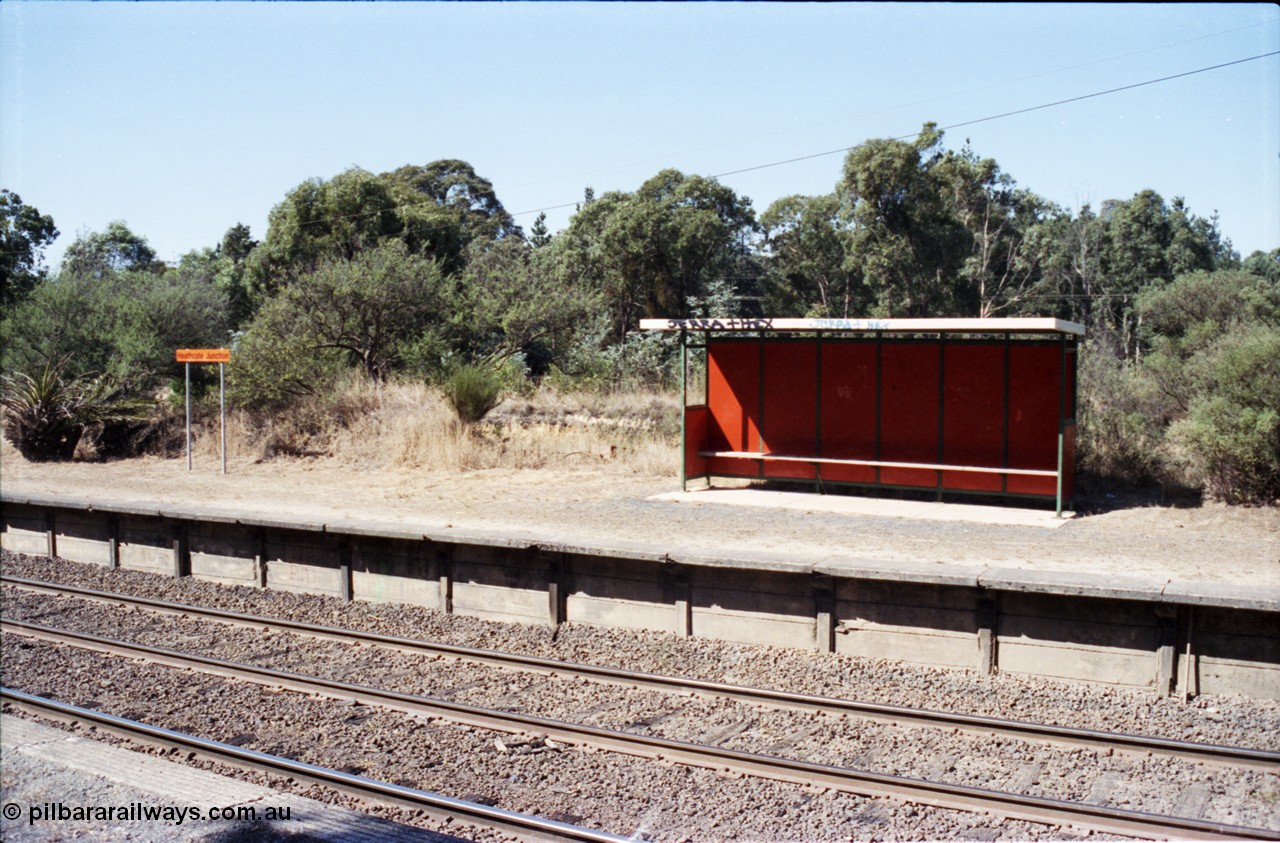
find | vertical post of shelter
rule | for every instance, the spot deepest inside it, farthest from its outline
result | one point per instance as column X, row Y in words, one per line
column 684, row 410
column 188, row 367
column 942, row 414
column 222, row 411
column 1004, row 429
column 817, row 414
column 760, row 420
column 879, row 386
column 1062, row 415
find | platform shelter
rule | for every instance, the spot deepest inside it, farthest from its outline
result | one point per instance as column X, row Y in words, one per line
column 977, row 406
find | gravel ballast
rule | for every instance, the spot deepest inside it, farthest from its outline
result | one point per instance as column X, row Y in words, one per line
column 628, row 794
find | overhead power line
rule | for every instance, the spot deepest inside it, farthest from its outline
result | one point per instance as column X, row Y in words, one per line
column 812, row 156
column 996, row 117
column 933, row 97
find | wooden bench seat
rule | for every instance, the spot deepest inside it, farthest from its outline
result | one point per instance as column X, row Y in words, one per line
column 760, row 455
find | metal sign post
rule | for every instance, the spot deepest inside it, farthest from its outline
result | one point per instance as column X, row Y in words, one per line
column 222, row 410
column 221, row 356
column 188, row 396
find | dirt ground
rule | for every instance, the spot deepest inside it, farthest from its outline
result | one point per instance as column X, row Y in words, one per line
column 606, row 502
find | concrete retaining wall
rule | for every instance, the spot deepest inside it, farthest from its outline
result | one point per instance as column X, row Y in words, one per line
column 1154, row 635
column 926, row 623
column 625, row 593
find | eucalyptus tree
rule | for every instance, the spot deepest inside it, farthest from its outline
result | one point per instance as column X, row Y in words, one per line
column 905, row 241
column 649, row 252
column 233, row 255
column 1071, row 275
column 1009, row 238
column 24, row 234
column 124, row 324
column 508, row 301
column 1213, row 362
column 1147, row 243
column 1264, row 264
column 810, row 271
column 114, row 249
column 444, row 206
column 319, row 221
column 359, row 312
column 237, row 243
column 435, row 211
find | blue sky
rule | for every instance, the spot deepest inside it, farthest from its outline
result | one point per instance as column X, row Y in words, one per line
column 185, row 118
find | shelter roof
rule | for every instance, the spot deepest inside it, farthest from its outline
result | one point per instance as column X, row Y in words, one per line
column 1017, row 325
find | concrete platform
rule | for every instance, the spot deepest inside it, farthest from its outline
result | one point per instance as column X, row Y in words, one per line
column 50, row 771
column 1003, row 609
column 1001, row 516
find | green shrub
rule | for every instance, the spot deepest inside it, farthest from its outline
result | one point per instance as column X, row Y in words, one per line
column 1120, row 420
column 472, row 391
column 646, row 360
column 125, row 325
column 1229, row 440
column 364, row 313
column 271, row 367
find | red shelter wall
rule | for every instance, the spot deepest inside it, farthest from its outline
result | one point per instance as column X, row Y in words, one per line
column 733, row 396
column 909, row 375
column 990, row 403
column 848, row 423
column 696, row 421
column 790, row 419
column 973, row 414
column 1033, row 417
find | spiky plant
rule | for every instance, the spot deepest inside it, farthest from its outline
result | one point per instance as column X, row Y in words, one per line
column 472, row 391
column 44, row 416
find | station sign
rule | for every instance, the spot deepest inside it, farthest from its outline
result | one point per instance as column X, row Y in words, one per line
column 220, row 356
column 204, row 355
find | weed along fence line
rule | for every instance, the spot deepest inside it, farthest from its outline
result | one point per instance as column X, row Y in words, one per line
column 1169, row 637
column 966, row 406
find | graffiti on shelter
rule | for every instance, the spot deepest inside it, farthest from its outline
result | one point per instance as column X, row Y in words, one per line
column 721, row 324
column 850, row 324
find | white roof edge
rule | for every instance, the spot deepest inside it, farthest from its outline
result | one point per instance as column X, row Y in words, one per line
column 1000, row 325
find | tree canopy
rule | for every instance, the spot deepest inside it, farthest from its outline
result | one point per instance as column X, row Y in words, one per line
column 124, row 324
column 24, row 234
column 647, row 253
column 906, row 242
column 114, row 249
column 435, row 211
column 813, row 269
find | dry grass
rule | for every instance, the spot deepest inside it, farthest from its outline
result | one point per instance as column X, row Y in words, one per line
column 653, row 411
column 410, row 425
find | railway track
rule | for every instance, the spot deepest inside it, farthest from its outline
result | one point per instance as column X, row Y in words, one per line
column 523, row 826
column 1240, row 757
column 961, row 797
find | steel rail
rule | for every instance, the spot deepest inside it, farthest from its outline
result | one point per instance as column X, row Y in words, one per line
column 1260, row 759
column 919, row 791
column 524, row 826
